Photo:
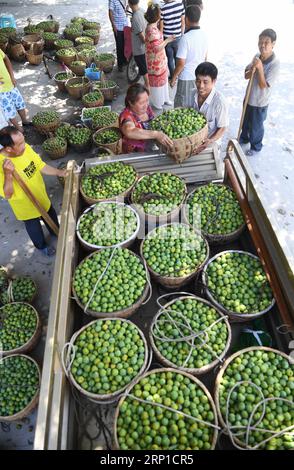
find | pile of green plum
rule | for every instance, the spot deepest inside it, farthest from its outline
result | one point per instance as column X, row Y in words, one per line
column 121, row 286
column 113, row 180
column 63, row 131
column 92, row 97
column 220, row 211
column 86, row 47
column 182, row 318
column 238, row 282
column 45, row 117
column 159, row 193
column 104, row 119
column 63, row 76
column 273, row 374
column 107, row 224
column 84, row 40
column 174, row 250
column 105, row 84
column 63, row 43
column 92, row 25
column 19, row 379
column 103, row 57
column 66, row 52
column 144, row 425
column 51, row 37
column 179, row 122
column 54, row 144
column 79, row 135
column 109, row 354
column 49, row 26
column 18, row 323
column 107, row 136
column 92, row 33
column 23, row 289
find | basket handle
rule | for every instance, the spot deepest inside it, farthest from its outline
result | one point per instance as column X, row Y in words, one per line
column 169, row 294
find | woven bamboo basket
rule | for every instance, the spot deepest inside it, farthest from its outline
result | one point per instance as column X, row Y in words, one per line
column 215, row 239
column 33, row 341
column 118, row 393
column 109, row 93
column 119, row 197
column 105, row 65
column 16, row 52
column 124, row 244
column 47, row 128
column 34, row 59
column 65, row 59
column 115, row 147
column 29, row 408
column 174, row 282
column 58, row 47
column 61, row 83
column 33, row 39
column 58, row 153
column 185, row 374
column 158, row 219
column 50, row 43
column 72, row 35
column 124, row 313
column 113, row 124
column 93, row 104
column 222, row 372
column 194, row 371
column 186, row 146
column 78, row 70
column 92, row 25
column 94, row 38
column 234, row 316
column 78, row 92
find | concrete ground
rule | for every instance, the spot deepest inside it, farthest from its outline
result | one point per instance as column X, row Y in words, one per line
column 232, row 28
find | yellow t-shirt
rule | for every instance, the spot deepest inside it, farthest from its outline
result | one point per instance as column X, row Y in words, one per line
column 28, row 167
column 4, row 75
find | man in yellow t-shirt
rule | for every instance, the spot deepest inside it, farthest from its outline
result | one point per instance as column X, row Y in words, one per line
column 11, row 101
column 18, row 155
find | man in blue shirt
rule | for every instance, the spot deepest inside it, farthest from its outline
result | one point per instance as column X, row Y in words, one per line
column 118, row 19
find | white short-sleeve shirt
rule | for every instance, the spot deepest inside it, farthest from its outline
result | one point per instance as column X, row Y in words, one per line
column 260, row 97
column 215, row 109
column 193, row 47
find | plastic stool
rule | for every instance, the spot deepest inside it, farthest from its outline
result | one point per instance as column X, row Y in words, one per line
column 7, row 21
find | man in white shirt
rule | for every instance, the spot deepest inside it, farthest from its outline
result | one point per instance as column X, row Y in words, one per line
column 192, row 51
column 211, row 103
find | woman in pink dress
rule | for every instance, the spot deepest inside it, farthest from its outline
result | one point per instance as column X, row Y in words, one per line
column 156, row 59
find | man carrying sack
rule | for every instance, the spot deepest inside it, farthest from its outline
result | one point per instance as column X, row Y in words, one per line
column 18, row 156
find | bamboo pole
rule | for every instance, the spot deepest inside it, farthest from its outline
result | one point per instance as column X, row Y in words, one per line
column 36, row 203
column 248, row 91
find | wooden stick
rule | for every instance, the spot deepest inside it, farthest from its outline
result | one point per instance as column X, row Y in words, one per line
column 36, row 203
column 248, row 91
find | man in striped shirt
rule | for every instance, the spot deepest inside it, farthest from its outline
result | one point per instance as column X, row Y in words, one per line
column 118, row 19
column 172, row 24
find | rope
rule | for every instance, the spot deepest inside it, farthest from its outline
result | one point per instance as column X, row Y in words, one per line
column 241, row 430
column 148, row 281
column 100, row 279
column 184, row 338
column 171, row 294
column 181, row 413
